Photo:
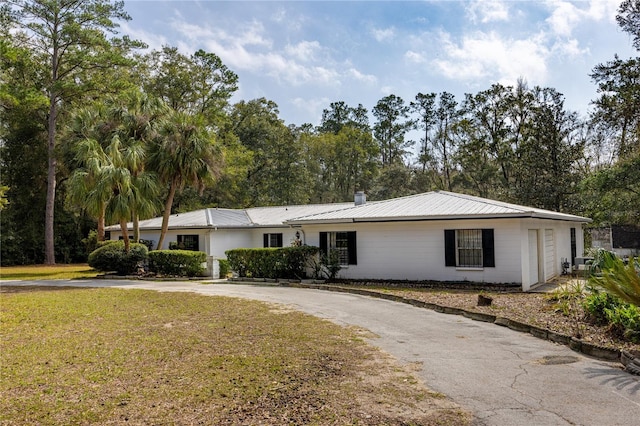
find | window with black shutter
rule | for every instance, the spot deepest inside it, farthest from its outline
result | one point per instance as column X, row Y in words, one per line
column 188, row 242
column 342, row 243
column 469, row 248
column 272, row 240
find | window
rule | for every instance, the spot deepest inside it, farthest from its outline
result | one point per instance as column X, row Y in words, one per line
column 343, row 243
column 272, row 240
column 469, row 248
column 188, row 242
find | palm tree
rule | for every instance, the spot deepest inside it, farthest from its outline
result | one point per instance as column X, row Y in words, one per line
column 183, row 154
column 88, row 129
column 138, row 116
column 112, row 143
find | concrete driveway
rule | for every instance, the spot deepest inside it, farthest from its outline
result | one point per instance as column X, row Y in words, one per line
column 502, row 376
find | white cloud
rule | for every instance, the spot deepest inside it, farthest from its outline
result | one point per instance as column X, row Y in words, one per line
column 569, row 48
column 305, row 50
column 285, row 20
column 313, row 106
column 487, row 55
column 488, row 11
column 386, row 90
column 383, row 34
column 366, row 78
column 565, row 16
column 414, row 57
column 248, row 49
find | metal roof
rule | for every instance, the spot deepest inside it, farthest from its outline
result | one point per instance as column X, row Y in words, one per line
column 280, row 215
column 235, row 218
column 204, row 218
column 433, row 206
column 437, row 205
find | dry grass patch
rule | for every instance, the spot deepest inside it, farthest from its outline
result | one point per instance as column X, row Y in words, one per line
column 108, row 356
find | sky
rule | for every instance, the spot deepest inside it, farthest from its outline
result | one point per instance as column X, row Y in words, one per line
column 304, row 55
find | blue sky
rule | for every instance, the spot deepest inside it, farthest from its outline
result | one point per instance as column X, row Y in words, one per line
column 306, row 54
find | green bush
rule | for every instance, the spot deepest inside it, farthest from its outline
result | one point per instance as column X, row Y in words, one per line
column 331, row 264
column 177, row 262
column 112, row 257
column 626, row 320
column 224, row 267
column 598, row 303
column 605, row 308
column 285, row 262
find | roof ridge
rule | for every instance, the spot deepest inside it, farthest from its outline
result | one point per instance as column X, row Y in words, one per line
column 491, row 202
column 296, row 205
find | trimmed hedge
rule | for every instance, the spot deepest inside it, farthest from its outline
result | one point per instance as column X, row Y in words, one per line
column 112, row 257
column 224, row 267
column 285, row 262
column 177, row 262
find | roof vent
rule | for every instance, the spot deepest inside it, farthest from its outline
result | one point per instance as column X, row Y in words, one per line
column 360, row 198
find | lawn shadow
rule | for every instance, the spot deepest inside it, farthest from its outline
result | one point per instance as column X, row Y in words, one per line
column 32, row 288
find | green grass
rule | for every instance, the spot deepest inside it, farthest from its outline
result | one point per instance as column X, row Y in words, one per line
column 96, row 356
column 46, row 272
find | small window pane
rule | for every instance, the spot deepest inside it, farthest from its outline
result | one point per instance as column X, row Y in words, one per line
column 188, row 242
column 339, row 242
column 469, row 247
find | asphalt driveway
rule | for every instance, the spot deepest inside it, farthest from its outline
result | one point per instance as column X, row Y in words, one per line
column 502, row 376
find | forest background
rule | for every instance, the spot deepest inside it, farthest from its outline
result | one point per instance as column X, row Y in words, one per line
column 95, row 129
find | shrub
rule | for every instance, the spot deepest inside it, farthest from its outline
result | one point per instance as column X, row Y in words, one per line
column 618, row 278
column 331, row 265
column 177, row 262
column 91, row 242
column 112, row 257
column 285, row 262
column 598, row 303
column 626, row 320
column 224, row 267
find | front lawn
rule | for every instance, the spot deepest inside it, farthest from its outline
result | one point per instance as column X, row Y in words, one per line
column 110, row 356
column 47, row 272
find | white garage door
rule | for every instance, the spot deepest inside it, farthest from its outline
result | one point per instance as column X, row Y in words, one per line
column 549, row 255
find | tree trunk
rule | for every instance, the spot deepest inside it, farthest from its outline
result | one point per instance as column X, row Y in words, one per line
column 136, row 227
column 49, row 238
column 101, row 233
column 167, row 213
column 125, row 235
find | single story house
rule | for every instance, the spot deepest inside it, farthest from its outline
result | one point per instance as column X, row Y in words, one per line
column 437, row 235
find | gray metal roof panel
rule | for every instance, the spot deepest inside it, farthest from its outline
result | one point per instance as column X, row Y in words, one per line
column 279, row 215
column 204, row 218
column 437, row 205
column 433, row 205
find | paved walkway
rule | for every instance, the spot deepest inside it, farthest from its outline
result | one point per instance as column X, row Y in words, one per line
column 502, row 376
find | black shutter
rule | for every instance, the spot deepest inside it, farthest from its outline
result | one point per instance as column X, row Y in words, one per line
column 323, row 244
column 278, row 240
column 449, row 247
column 574, row 251
column 488, row 250
column 352, row 250
column 265, row 240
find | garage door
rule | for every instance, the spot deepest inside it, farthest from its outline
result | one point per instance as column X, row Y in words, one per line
column 549, row 255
